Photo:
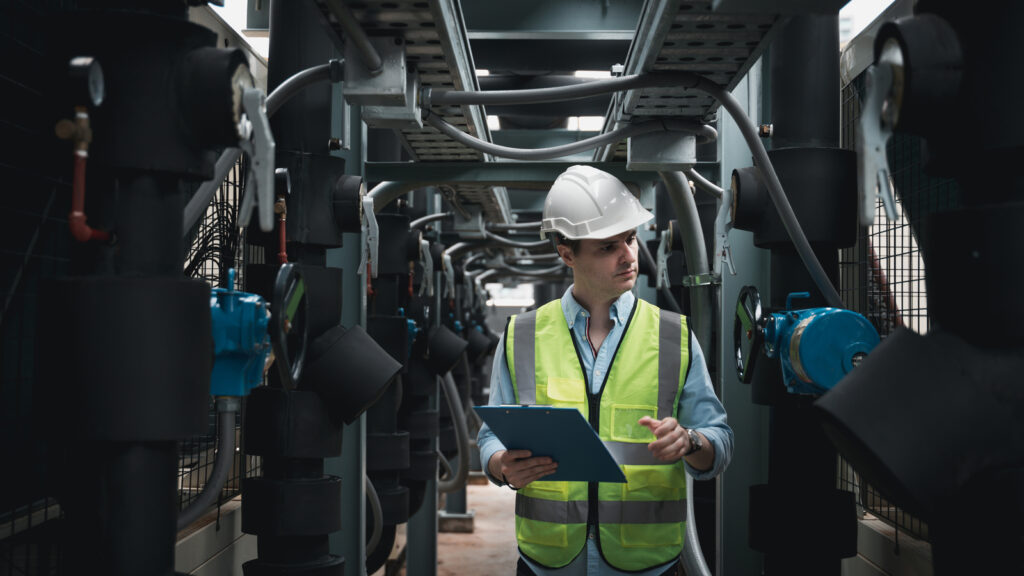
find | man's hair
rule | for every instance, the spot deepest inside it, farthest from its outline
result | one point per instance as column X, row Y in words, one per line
column 572, row 244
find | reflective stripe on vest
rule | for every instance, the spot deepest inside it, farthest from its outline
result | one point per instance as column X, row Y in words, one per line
column 642, row 522
column 576, row 512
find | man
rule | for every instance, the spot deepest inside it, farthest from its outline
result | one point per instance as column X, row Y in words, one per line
column 634, row 372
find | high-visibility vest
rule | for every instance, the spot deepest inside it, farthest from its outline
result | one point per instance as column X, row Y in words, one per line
column 641, row 524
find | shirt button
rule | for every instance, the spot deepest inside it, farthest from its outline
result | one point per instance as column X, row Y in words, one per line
column 591, row 535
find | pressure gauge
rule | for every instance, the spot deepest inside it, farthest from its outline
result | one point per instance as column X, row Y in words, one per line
column 87, row 79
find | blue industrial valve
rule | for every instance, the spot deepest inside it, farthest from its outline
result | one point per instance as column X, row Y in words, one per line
column 241, row 340
column 816, row 347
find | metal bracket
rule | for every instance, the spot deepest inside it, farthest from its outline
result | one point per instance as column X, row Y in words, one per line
column 872, row 134
column 427, row 284
column 258, row 142
column 662, row 264
column 723, row 253
column 702, row 279
column 371, row 233
column 449, row 274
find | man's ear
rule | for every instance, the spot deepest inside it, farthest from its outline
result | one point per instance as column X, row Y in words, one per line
column 566, row 253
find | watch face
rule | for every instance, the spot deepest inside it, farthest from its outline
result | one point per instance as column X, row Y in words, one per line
column 695, row 440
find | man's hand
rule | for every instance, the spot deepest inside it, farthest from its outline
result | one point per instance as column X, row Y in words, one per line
column 518, row 469
column 671, row 439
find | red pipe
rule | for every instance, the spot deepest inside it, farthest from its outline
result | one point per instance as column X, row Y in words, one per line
column 77, row 219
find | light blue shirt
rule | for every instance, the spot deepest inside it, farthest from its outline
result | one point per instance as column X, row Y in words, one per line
column 699, row 408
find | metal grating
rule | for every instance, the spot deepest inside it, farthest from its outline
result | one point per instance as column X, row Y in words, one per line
column 687, row 36
column 437, row 47
column 883, row 276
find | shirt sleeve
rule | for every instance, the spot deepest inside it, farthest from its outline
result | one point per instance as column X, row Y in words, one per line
column 501, row 393
column 700, row 409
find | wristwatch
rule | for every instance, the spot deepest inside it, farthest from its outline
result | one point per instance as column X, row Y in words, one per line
column 696, row 442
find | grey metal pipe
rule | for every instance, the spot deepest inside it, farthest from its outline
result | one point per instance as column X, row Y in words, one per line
column 458, row 481
column 354, row 33
column 386, row 192
column 703, row 131
column 685, row 207
column 705, row 184
column 227, row 407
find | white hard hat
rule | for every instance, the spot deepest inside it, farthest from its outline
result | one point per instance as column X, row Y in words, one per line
column 585, row 202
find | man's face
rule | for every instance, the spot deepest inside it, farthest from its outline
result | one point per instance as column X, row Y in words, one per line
column 604, row 268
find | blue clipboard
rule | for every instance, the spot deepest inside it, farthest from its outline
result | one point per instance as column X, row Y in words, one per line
column 561, row 433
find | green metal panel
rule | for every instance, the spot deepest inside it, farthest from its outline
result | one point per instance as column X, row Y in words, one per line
column 350, row 541
column 749, row 421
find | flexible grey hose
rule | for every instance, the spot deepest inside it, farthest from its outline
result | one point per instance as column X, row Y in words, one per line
column 354, row 33
column 386, row 192
column 785, row 210
column 227, row 406
column 301, row 80
column 560, row 93
column 515, row 226
column 703, row 131
column 378, row 515
column 693, row 557
column 524, row 272
column 513, row 243
column 665, row 291
column 694, row 250
column 458, row 481
column 705, row 184
column 420, row 222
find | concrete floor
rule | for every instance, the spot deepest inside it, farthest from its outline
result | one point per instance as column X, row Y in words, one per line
column 490, row 549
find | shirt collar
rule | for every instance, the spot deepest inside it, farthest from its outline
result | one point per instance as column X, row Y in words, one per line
column 619, row 311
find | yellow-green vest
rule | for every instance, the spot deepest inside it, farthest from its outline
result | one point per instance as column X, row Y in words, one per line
column 641, row 524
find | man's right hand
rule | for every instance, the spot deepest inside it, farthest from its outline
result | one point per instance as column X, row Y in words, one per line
column 518, row 469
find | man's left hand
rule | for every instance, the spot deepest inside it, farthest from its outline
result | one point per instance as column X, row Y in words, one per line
column 671, row 438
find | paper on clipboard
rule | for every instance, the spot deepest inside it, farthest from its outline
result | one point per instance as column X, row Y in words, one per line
column 561, row 433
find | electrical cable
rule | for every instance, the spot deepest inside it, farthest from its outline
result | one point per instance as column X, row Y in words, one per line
column 560, row 93
column 524, row 272
column 662, row 79
column 420, row 222
column 458, row 479
column 378, row 515
column 782, row 206
column 705, row 184
column 689, row 126
column 301, row 80
column 513, row 243
column 227, row 407
column 535, row 225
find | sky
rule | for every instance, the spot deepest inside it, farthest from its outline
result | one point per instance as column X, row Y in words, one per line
column 860, row 12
